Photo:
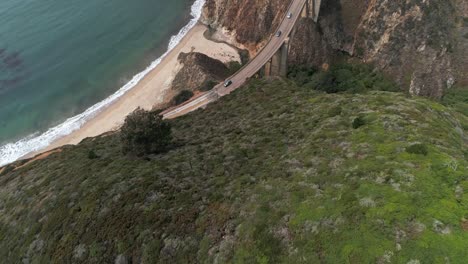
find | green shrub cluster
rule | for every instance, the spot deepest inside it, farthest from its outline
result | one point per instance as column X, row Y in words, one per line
column 358, row 122
column 233, row 67
column 345, row 77
column 420, row 149
column 207, row 85
column 181, row 97
column 143, row 133
column 302, row 74
column 92, row 155
column 457, row 98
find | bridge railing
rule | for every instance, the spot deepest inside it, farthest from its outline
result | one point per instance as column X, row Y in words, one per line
column 260, row 51
column 182, row 107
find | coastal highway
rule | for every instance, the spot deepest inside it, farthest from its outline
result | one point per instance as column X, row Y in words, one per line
column 249, row 70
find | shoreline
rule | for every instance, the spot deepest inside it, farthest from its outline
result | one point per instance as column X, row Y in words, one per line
column 151, row 92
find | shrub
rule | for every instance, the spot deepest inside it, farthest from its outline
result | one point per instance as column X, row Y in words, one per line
column 335, row 111
column 351, row 77
column 233, row 67
column 420, row 149
column 355, row 78
column 144, row 133
column 208, row 85
column 183, row 96
column 358, row 122
column 5, row 170
column 92, row 155
column 457, row 98
column 244, row 56
column 302, row 74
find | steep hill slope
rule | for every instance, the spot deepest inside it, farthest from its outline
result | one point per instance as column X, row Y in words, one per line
column 272, row 173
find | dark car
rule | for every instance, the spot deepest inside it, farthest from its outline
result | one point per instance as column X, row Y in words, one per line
column 289, row 15
column 227, row 83
column 278, row 34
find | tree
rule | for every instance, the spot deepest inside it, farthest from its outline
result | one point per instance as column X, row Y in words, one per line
column 145, row 133
column 183, row 96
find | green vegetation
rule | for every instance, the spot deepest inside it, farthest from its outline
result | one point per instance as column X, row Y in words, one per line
column 457, row 98
column 273, row 173
column 208, row 85
column 346, row 77
column 92, row 155
column 420, row 149
column 302, row 74
column 182, row 97
column 358, row 122
column 233, row 67
column 465, row 21
column 244, row 56
column 144, row 133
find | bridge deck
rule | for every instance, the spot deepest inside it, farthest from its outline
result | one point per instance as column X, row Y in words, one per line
column 249, row 70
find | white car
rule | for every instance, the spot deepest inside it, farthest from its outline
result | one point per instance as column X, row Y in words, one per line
column 289, row 15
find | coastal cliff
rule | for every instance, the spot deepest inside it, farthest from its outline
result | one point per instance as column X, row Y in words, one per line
column 249, row 22
column 197, row 70
column 330, row 165
column 272, row 172
column 420, row 43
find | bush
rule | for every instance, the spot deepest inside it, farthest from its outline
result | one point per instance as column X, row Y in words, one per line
column 358, row 122
column 351, row 77
column 244, row 56
column 302, row 74
column 335, row 111
column 233, row 67
column 183, row 96
column 208, row 85
column 355, row 78
column 145, row 133
column 457, row 98
column 420, row 149
column 92, row 155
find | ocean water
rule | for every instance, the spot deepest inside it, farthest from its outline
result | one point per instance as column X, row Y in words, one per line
column 61, row 62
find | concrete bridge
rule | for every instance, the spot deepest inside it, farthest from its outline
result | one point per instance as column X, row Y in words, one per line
column 271, row 60
column 278, row 64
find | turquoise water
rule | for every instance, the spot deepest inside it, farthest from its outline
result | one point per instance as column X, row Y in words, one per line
column 58, row 58
column 61, row 62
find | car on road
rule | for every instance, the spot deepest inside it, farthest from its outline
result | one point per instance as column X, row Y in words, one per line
column 278, row 34
column 289, row 15
column 227, row 83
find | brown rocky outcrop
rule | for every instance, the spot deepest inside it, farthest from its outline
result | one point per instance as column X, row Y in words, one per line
column 420, row 43
column 249, row 21
column 196, row 70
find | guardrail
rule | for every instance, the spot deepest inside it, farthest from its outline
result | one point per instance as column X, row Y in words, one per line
column 260, row 51
column 193, row 102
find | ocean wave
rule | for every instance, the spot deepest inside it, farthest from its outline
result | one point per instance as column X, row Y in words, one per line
column 33, row 143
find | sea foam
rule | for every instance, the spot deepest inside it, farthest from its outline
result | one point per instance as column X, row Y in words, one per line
column 33, row 143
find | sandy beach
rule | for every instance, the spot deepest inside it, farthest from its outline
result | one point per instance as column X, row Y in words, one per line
column 153, row 89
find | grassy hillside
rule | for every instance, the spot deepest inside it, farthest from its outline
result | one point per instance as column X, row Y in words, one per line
column 273, row 173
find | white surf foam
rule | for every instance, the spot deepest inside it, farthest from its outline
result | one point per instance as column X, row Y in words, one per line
column 13, row 151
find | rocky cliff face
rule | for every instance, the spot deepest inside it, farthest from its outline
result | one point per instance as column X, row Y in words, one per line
column 248, row 21
column 196, row 70
column 420, row 43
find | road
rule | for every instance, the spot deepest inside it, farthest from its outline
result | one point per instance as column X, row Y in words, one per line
column 249, row 70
